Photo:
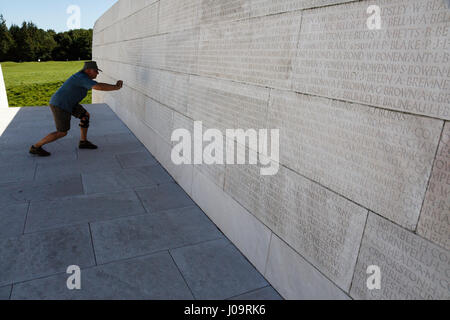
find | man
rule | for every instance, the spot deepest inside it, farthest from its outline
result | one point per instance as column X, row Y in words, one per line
column 65, row 103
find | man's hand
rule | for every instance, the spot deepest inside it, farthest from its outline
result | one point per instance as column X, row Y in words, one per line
column 119, row 84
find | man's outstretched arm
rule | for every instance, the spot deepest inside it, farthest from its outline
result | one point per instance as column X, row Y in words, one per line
column 108, row 87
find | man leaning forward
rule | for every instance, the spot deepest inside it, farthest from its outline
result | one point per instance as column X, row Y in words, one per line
column 65, row 103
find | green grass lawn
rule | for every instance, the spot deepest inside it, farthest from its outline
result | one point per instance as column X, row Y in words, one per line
column 33, row 83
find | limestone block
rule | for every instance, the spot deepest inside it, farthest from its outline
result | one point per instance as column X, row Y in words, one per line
column 119, row 11
column 266, row 7
column 7, row 116
column 132, row 52
column 177, row 15
column 145, row 134
column 166, row 87
column 112, row 33
column 434, row 222
column 249, row 235
column 98, row 39
column 176, row 51
column 225, row 105
column 159, row 118
column 378, row 158
column 257, row 51
column 213, row 11
column 110, row 52
column 3, row 96
column 136, row 5
column 153, row 52
column 108, row 18
column 295, row 278
column 215, row 172
column 323, row 227
column 142, row 23
column 402, row 66
column 130, row 100
column 129, row 7
column 169, row 88
column 181, row 51
column 410, row 266
column 181, row 173
column 182, row 122
column 161, row 150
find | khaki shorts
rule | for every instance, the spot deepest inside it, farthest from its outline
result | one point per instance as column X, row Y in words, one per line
column 62, row 117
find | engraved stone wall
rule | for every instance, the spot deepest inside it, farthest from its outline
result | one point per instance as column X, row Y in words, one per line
column 434, row 223
column 364, row 169
column 323, row 227
column 257, row 51
column 412, row 268
column 378, row 158
column 404, row 66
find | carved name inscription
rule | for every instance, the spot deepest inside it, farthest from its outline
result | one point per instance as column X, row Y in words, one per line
column 410, row 267
column 434, row 223
column 404, row 66
column 323, row 227
column 378, row 158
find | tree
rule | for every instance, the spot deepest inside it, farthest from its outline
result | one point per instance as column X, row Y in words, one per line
column 29, row 43
column 6, row 40
column 82, row 44
column 45, row 45
column 63, row 46
column 25, row 47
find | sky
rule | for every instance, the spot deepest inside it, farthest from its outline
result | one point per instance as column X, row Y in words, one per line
column 52, row 14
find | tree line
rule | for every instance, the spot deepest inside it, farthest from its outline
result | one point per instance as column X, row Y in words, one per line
column 29, row 43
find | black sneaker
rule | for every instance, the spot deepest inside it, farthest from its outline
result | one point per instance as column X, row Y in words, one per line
column 87, row 145
column 39, row 151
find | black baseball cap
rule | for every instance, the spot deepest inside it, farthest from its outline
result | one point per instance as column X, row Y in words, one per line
column 91, row 65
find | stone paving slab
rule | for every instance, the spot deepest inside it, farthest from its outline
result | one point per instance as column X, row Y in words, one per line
column 23, row 159
column 46, row 188
column 58, row 156
column 227, row 273
column 27, row 135
column 5, row 293
column 133, row 236
column 119, row 139
column 106, row 148
column 79, row 209
column 164, row 197
column 117, row 197
column 12, row 220
column 76, row 166
column 45, row 253
column 267, row 293
column 152, row 277
column 110, row 181
column 14, row 172
column 43, row 122
column 136, row 159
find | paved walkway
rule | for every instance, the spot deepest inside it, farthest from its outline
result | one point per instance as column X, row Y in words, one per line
column 114, row 212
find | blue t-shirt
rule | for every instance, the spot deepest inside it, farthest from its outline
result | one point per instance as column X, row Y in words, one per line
column 72, row 91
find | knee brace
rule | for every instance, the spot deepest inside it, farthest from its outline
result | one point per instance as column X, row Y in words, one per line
column 84, row 121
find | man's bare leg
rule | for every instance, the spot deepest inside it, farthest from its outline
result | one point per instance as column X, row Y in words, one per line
column 84, row 130
column 83, row 134
column 50, row 138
